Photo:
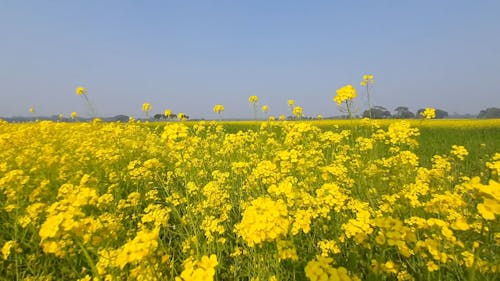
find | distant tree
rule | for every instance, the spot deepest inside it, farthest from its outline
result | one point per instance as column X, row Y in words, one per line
column 403, row 112
column 492, row 112
column 159, row 116
column 440, row 114
column 120, row 118
column 377, row 112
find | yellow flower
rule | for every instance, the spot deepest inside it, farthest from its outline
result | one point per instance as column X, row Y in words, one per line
column 459, row 151
column 429, row 113
column 146, row 107
column 298, row 111
column 167, row 113
column 263, row 220
column 265, row 108
column 81, row 91
column 218, row 108
column 32, row 110
column 291, row 103
column 181, row 116
column 139, row 248
column 367, row 79
column 203, row 270
column 6, row 249
column 253, row 99
column 286, row 250
column 74, row 115
column 489, row 208
column 431, row 266
column 344, row 94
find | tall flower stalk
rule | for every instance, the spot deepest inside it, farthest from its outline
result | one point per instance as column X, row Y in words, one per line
column 265, row 109
column 298, row 112
column 146, row 107
column 253, row 100
column 81, row 91
column 366, row 82
column 291, row 103
column 344, row 99
column 219, row 108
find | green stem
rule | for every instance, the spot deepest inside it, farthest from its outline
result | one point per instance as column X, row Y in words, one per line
column 91, row 263
column 90, row 107
column 348, row 106
column 369, row 104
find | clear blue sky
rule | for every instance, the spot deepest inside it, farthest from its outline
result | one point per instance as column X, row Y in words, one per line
column 190, row 55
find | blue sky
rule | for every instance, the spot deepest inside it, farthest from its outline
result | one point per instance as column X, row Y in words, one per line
column 190, row 55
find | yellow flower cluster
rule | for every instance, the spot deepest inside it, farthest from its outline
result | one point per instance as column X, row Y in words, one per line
column 218, row 108
column 81, row 91
column 321, row 269
column 253, row 99
column 367, row 79
column 146, row 107
column 428, row 113
column 264, row 220
column 344, row 94
column 298, row 111
column 167, row 113
column 202, row 270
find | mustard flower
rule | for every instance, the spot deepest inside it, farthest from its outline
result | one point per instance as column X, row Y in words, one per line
column 367, row 79
column 81, row 91
column 345, row 94
column 428, row 113
column 253, row 99
column 218, row 108
column 181, row 116
column 298, row 111
column 253, row 102
column 146, row 107
column 264, row 220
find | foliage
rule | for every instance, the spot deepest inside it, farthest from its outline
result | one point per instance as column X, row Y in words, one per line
column 402, row 112
column 492, row 112
column 377, row 112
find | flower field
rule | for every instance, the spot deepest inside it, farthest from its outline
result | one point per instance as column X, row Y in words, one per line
column 274, row 200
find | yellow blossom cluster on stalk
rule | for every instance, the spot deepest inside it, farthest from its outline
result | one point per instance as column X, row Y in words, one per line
column 275, row 201
column 218, row 108
column 367, row 80
column 81, row 91
column 146, row 108
column 345, row 95
column 297, row 111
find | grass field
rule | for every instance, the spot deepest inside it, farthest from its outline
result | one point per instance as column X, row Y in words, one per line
column 313, row 200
